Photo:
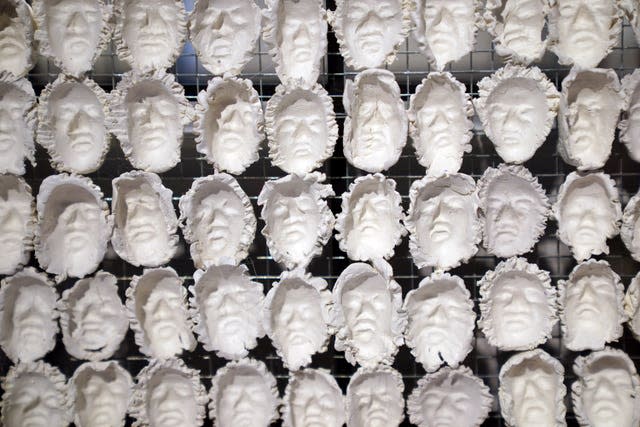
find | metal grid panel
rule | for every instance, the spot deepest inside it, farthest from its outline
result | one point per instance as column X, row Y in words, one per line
column 409, row 68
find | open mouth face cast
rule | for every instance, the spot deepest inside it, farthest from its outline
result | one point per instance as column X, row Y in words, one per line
column 532, row 390
column 224, row 33
column 16, row 223
column 102, row 392
column 16, row 37
column 17, row 124
column 591, row 303
column 374, row 398
column 313, row 398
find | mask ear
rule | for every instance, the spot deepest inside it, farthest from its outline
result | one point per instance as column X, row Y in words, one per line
column 349, row 95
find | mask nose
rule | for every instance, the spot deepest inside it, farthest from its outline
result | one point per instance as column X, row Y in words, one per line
column 79, row 122
column 77, row 24
column 12, row 221
column 443, row 19
column 6, row 122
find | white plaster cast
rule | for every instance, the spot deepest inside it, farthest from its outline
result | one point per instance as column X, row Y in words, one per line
column 72, row 124
column 301, row 127
column 229, row 124
column 149, row 113
column 226, row 307
column 74, row 226
column 441, row 321
column 440, row 123
column 158, row 313
column 630, row 229
column 588, row 212
column 101, row 393
column 73, row 33
column 369, row 224
column 607, row 389
column 18, row 117
column 518, row 305
column 168, row 394
column 217, row 220
column 298, row 221
column 443, row 221
column 224, row 33
column 518, row 28
column 17, row 223
column 591, row 306
column 445, row 29
column 16, row 37
column 35, row 395
column 297, row 317
column 517, row 107
column 374, row 398
column 590, row 105
column 313, row 398
column 296, row 32
column 145, row 223
column 631, row 10
column 149, row 34
column 375, row 130
column 629, row 126
column 631, row 306
column 449, row 398
column 368, row 315
column 532, row 390
column 28, row 316
column 583, row 32
column 514, row 209
column 93, row 319
column 370, row 32
column 243, row 394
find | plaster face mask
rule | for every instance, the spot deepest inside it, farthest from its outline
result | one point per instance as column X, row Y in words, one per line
column 150, row 33
column 532, row 390
column 35, row 396
column 517, row 107
column 445, row 29
column 517, row 305
column 229, row 124
column 449, row 398
column 441, row 321
column 515, row 209
column 583, row 31
column 630, row 231
column 370, row 32
column 301, row 128
column 590, row 106
column 296, row 30
column 369, row 225
column 93, row 319
column 439, row 123
column 16, row 37
column 145, row 222
column 224, row 33
column 29, row 316
column 296, row 316
column 17, row 223
column 313, row 398
column 606, row 390
column 517, row 27
column 72, row 126
column 74, row 226
column 631, row 306
column 629, row 126
column 443, row 221
column 102, row 391
column 588, row 213
column 374, row 398
column 243, row 394
column 226, row 306
column 17, row 123
column 376, row 123
column 591, row 304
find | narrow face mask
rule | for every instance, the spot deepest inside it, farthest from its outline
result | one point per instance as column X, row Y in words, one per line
column 171, row 400
column 101, row 396
column 15, row 47
column 35, row 401
column 16, row 133
column 374, row 399
column 16, row 228
column 33, row 324
column 314, row 400
column 523, row 22
column 244, row 401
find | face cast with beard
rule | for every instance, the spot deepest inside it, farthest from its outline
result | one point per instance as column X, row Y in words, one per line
column 78, row 123
column 171, row 400
column 14, row 129
column 15, row 49
column 441, row 323
column 102, row 397
column 374, row 400
column 533, row 392
column 523, row 22
column 372, row 28
column 15, row 228
column 74, row 28
column 150, row 30
column 243, row 400
column 224, row 33
column 516, row 117
column 35, row 402
column 315, row 399
column 373, row 226
column 218, row 225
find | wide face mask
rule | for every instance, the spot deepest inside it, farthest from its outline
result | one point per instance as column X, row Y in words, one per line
column 374, row 398
column 313, row 398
